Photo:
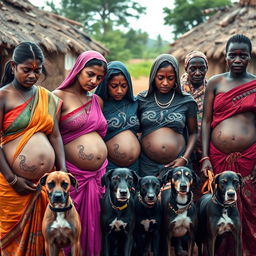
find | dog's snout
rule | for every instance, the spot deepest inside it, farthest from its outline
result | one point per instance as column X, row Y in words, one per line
column 183, row 186
column 123, row 192
column 151, row 196
column 231, row 194
column 58, row 197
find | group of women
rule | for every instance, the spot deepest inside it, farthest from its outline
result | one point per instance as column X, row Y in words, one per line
column 86, row 134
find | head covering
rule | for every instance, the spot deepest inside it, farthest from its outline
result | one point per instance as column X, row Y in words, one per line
column 158, row 61
column 82, row 59
column 195, row 54
column 114, row 68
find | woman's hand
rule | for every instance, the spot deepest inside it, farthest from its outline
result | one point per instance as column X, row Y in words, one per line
column 206, row 166
column 177, row 162
column 23, row 186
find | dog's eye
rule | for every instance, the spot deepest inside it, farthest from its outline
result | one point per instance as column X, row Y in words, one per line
column 51, row 184
column 235, row 182
column 64, row 185
column 115, row 178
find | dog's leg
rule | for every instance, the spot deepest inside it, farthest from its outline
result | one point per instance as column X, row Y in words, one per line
column 170, row 249
column 105, row 248
column 76, row 249
column 128, row 245
column 191, row 244
column 210, row 243
column 156, row 244
column 238, row 243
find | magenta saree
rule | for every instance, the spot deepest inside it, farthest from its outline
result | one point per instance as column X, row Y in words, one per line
column 87, row 198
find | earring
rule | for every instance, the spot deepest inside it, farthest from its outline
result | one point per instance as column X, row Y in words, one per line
column 175, row 85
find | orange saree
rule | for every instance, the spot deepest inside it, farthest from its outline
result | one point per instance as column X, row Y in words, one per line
column 21, row 216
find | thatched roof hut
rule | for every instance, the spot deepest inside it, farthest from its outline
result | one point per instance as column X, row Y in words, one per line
column 211, row 36
column 61, row 39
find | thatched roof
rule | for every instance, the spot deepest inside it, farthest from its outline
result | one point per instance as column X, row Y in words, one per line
column 211, row 36
column 22, row 21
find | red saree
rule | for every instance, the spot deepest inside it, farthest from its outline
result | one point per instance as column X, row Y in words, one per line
column 238, row 100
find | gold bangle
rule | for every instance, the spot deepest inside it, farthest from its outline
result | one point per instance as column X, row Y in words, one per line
column 13, row 181
column 185, row 159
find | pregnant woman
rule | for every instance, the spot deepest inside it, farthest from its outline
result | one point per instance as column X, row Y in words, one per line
column 168, row 119
column 83, row 127
column 120, row 110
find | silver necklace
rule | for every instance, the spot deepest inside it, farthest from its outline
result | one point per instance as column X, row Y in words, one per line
column 164, row 105
column 30, row 104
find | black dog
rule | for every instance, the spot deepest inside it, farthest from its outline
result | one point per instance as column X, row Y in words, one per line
column 148, row 216
column 117, row 211
column 218, row 213
column 179, row 212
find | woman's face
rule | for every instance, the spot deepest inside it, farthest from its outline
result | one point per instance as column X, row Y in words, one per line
column 28, row 72
column 117, row 87
column 238, row 57
column 165, row 79
column 196, row 71
column 90, row 77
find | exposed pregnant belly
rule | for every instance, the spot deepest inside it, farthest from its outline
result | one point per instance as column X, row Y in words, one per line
column 87, row 152
column 123, row 149
column 36, row 158
column 235, row 134
column 163, row 145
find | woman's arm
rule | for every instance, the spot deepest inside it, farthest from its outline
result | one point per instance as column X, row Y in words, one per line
column 206, row 125
column 57, row 144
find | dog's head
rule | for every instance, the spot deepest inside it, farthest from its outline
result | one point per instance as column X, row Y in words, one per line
column 226, row 185
column 181, row 179
column 57, row 185
column 149, row 188
column 120, row 181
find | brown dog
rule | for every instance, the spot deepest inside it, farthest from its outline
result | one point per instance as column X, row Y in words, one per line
column 61, row 224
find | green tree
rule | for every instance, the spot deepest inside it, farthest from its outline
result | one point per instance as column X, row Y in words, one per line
column 187, row 14
column 101, row 15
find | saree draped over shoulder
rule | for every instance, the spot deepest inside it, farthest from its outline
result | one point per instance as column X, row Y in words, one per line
column 120, row 115
column 21, row 216
column 238, row 100
column 87, row 198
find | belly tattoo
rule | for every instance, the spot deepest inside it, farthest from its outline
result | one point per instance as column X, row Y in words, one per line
column 117, row 153
column 82, row 155
column 23, row 166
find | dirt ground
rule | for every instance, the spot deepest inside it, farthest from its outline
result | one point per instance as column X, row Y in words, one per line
column 139, row 84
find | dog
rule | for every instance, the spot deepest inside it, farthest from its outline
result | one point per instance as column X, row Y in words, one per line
column 148, row 216
column 117, row 211
column 218, row 213
column 61, row 223
column 179, row 212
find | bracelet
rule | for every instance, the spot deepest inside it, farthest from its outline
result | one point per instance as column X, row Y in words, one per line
column 13, row 181
column 185, row 159
column 204, row 158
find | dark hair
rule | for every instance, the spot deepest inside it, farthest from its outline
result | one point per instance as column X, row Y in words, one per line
column 21, row 53
column 114, row 75
column 97, row 62
column 164, row 65
column 239, row 38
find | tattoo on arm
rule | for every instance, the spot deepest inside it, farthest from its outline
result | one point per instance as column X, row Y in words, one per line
column 23, row 166
column 117, row 153
column 82, row 155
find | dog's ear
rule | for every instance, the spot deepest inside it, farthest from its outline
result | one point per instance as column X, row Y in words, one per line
column 105, row 180
column 160, row 181
column 196, row 178
column 73, row 181
column 135, row 178
column 167, row 176
column 215, row 181
column 240, row 179
column 43, row 179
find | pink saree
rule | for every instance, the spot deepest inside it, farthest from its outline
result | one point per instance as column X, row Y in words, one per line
column 87, row 198
column 83, row 120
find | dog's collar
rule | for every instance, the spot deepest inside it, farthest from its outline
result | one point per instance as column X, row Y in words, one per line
column 216, row 201
column 181, row 210
column 143, row 203
column 64, row 209
column 119, row 208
